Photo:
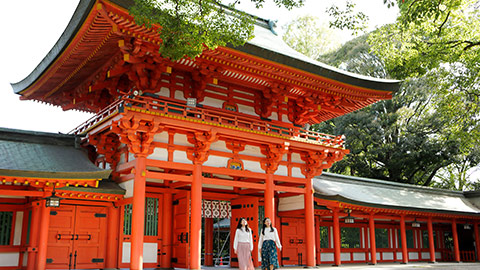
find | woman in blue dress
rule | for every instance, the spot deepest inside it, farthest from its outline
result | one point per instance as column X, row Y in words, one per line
column 267, row 245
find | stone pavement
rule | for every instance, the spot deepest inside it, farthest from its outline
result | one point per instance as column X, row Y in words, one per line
column 380, row 266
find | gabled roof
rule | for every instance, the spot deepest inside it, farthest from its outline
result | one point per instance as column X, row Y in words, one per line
column 30, row 154
column 391, row 195
column 88, row 44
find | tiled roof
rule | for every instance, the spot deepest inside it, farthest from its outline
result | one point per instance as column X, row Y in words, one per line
column 385, row 194
column 45, row 155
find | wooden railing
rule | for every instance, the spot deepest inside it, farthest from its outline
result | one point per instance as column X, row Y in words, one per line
column 465, row 256
column 171, row 108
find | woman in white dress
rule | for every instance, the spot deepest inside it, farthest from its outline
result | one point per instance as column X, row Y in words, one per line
column 267, row 245
column 243, row 245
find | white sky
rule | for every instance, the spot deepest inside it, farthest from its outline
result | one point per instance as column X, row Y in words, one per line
column 31, row 28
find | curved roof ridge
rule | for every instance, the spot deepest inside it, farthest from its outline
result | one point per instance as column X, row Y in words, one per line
column 371, row 181
column 265, row 45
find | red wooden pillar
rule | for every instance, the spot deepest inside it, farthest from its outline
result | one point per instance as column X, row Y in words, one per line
column 403, row 236
column 138, row 214
column 456, row 250
column 309, row 223
column 269, row 198
column 167, row 230
column 43, row 237
column 33, row 241
column 336, row 238
column 208, row 242
column 112, row 237
column 373, row 246
column 477, row 239
column 431, row 242
column 196, row 217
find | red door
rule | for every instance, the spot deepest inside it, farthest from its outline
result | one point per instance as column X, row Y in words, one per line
column 248, row 209
column 77, row 237
column 61, row 235
column 181, row 230
column 293, row 241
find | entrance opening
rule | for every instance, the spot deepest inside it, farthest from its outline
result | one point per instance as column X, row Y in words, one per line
column 216, row 242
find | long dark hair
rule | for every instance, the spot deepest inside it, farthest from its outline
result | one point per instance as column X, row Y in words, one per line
column 263, row 228
column 239, row 225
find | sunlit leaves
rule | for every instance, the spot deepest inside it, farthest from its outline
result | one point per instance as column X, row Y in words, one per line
column 188, row 27
column 308, row 36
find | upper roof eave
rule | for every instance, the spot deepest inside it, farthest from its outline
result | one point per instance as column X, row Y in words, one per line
column 78, row 17
column 283, row 57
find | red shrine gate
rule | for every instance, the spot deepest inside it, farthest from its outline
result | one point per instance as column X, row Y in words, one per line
column 227, row 125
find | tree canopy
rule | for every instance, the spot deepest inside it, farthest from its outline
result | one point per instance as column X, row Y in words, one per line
column 428, row 134
column 188, row 27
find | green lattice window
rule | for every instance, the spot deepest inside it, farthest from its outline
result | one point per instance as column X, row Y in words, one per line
column 409, row 234
column 324, row 237
column 151, row 218
column 425, row 240
column 381, row 238
column 127, row 219
column 350, row 237
column 6, row 220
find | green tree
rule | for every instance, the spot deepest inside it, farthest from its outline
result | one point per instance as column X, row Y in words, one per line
column 307, row 35
column 188, row 27
column 408, row 139
column 429, row 132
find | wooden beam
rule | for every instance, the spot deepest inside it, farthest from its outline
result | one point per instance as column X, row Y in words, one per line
column 26, row 193
column 168, row 176
column 231, row 183
column 290, row 189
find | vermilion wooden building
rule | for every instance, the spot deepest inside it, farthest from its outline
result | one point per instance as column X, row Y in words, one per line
column 188, row 141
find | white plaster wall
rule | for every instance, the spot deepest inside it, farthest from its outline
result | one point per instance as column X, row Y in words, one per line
column 252, row 166
column 291, row 203
column 122, row 159
column 164, row 91
column 149, row 252
column 345, row 256
column 357, row 256
column 297, row 172
column 217, row 187
column 17, row 234
column 246, row 109
column 181, row 157
column 387, row 256
column 274, row 116
column 425, row 255
column 296, row 158
column 399, row 255
column 282, row 170
column 219, row 146
column 181, row 139
column 25, row 259
column 251, row 150
column 128, row 186
column 438, row 255
column 131, row 156
column 326, row 257
column 161, row 137
column 179, row 95
column 330, row 233
column 159, row 154
column 285, row 119
column 412, row 255
column 9, row 258
column 216, row 161
column 213, row 102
